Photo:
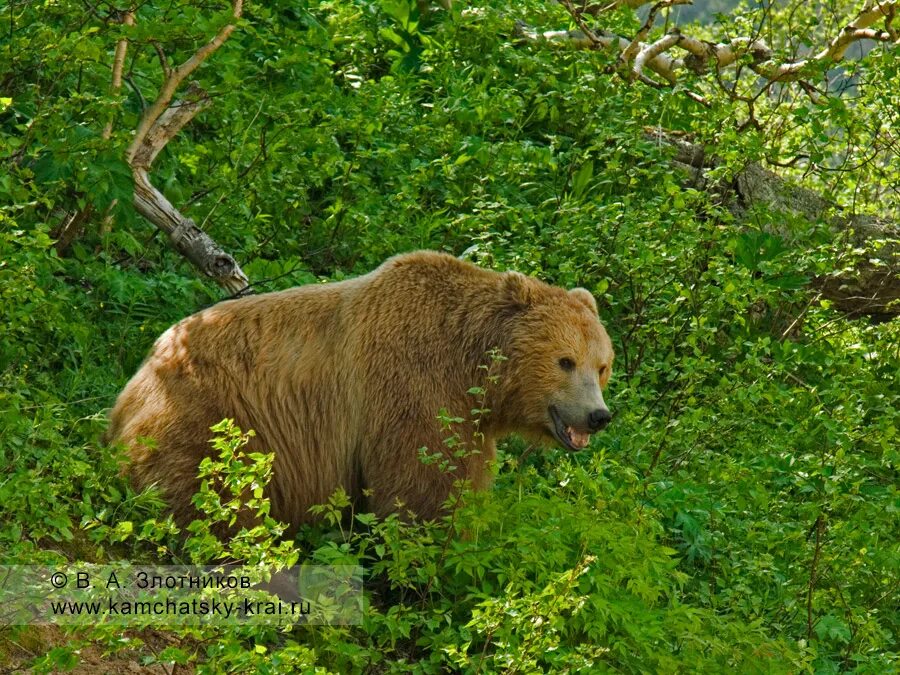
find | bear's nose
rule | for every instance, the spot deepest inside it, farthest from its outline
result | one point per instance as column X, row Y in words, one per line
column 599, row 419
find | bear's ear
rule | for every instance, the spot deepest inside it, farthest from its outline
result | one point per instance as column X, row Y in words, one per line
column 584, row 296
column 518, row 289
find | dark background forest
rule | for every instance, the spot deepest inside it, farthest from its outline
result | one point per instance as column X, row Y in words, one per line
column 736, row 221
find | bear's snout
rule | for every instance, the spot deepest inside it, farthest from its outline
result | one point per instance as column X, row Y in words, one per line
column 598, row 419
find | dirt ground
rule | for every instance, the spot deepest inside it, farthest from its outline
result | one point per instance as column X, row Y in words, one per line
column 19, row 648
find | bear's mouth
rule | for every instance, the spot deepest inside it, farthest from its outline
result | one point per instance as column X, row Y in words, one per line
column 565, row 434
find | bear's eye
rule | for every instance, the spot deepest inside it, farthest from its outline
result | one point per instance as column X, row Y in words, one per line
column 566, row 363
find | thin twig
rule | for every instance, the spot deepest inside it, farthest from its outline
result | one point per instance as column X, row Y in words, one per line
column 819, row 529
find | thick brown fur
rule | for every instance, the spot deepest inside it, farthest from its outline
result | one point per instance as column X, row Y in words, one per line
column 344, row 382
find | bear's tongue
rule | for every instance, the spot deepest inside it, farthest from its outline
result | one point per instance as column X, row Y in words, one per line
column 578, row 439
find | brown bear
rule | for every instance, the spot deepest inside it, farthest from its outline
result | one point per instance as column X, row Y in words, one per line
column 344, row 382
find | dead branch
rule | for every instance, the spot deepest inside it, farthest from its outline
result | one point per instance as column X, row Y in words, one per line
column 639, row 56
column 661, row 64
column 650, row 52
column 161, row 122
column 177, row 75
column 857, row 30
column 632, row 49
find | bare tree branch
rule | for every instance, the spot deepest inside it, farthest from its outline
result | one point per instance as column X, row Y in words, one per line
column 650, row 52
column 161, row 122
column 188, row 239
column 640, row 56
column 632, row 49
column 662, row 64
column 177, row 75
column 854, row 32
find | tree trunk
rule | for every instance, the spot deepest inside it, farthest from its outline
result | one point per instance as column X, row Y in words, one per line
column 870, row 288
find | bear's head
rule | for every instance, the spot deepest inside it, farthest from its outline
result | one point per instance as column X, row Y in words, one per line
column 559, row 360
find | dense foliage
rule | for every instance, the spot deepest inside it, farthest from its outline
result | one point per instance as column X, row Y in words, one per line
column 740, row 513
